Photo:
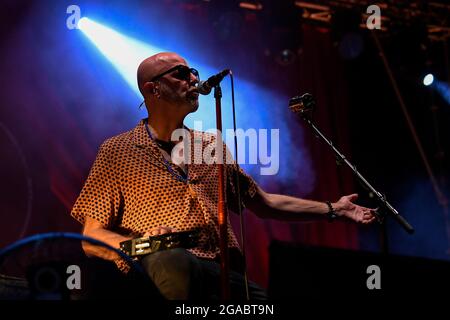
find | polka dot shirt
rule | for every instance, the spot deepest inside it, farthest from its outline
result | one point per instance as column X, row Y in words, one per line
column 130, row 190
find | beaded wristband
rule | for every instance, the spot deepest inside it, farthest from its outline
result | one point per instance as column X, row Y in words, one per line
column 331, row 214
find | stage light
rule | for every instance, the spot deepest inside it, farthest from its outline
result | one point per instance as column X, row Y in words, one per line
column 126, row 53
column 428, row 79
column 123, row 52
column 251, row 5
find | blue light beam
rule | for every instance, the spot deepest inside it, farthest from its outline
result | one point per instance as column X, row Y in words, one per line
column 259, row 108
column 123, row 52
column 444, row 90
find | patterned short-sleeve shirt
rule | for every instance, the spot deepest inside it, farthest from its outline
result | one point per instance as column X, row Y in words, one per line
column 130, row 190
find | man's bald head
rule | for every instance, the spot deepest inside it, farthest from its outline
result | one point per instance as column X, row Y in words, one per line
column 156, row 64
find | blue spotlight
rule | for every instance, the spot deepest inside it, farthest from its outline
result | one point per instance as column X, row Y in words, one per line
column 123, row 52
column 444, row 90
column 126, row 53
column 428, row 80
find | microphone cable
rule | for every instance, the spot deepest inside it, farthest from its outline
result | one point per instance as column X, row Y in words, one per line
column 238, row 191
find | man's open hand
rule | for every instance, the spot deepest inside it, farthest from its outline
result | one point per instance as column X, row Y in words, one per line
column 346, row 208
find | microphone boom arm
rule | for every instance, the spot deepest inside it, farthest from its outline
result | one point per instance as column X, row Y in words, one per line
column 301, row 105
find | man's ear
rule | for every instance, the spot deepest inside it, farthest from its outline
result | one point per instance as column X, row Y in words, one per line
column 150, row 87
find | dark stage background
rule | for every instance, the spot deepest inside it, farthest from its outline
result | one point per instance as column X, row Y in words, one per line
column 60, row 98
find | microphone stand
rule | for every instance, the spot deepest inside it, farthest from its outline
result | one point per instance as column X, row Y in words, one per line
column 222, row 205
column 302, row 105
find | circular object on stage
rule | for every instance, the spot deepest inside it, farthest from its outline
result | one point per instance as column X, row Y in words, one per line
column 53, row 266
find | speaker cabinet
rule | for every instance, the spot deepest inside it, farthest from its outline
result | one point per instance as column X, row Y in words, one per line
column 318, row 273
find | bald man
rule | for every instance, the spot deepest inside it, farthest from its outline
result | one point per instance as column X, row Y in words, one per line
column 136, row 189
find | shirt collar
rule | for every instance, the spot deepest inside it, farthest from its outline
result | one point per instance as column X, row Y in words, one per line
column 140, row 136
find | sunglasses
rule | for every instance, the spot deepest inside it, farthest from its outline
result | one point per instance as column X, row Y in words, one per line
column 182, row 72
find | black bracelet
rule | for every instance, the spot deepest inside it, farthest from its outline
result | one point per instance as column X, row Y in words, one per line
column 331, row 214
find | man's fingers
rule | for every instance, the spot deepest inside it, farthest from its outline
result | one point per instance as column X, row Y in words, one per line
column 167, row 230
column 368, row 220
column 352, row 197
column 159, row 230
column 365, row 209
column 149, row 233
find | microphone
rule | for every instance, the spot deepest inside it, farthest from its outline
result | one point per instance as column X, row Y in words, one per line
column 302, row 104
column 205, row 87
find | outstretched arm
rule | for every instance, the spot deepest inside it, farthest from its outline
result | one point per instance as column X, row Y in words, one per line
column 281, row 207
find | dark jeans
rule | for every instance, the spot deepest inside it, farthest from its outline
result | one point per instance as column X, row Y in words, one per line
column 179, row 275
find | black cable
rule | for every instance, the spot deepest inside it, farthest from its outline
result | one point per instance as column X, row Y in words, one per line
column 238, row 191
